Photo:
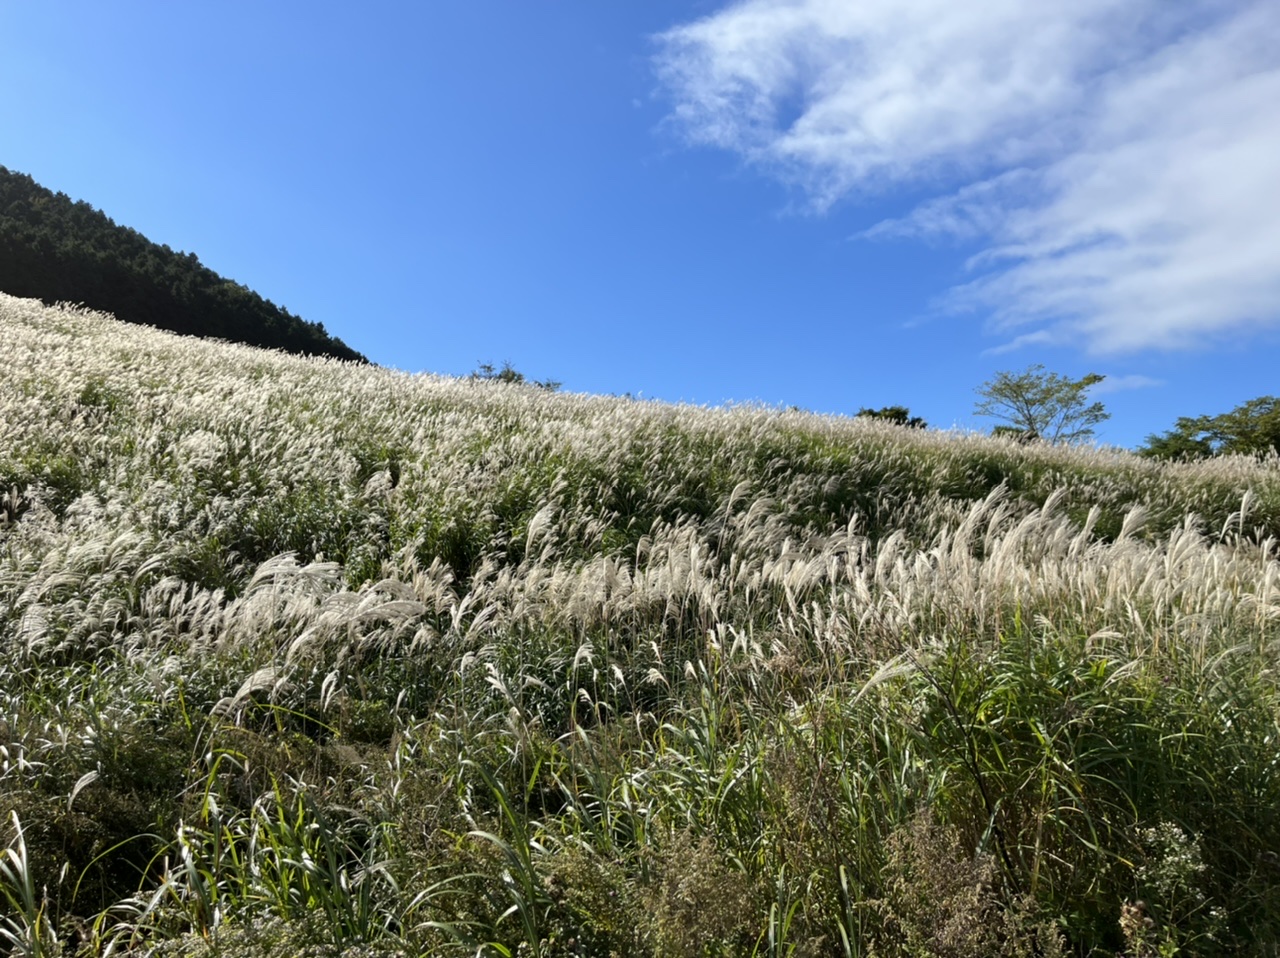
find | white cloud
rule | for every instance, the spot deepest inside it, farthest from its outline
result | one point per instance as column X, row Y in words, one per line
column 1116, row 384
column 1118, row 159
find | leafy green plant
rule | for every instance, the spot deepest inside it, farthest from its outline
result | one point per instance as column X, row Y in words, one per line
column 27, row 927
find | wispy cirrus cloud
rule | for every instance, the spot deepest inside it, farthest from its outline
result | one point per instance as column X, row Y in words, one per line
column 1118, row 384
column 1118, row 160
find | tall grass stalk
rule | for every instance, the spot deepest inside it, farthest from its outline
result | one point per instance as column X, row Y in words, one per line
column 27, row 927
column 299, row 655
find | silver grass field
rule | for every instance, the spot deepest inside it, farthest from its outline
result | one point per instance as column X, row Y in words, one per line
column 306, row 658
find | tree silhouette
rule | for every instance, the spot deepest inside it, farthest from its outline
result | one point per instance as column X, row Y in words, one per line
column 1036, row 404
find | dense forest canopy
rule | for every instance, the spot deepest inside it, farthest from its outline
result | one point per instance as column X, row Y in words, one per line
column 57, row 250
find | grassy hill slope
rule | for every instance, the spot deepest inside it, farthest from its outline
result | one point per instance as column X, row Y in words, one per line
column 57, row 250
column 305, row 654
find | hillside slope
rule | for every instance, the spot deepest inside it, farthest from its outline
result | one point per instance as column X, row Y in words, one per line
column 297, row 653
column 57, row 250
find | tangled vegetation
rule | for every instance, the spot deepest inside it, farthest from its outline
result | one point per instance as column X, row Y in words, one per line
column 311, row 658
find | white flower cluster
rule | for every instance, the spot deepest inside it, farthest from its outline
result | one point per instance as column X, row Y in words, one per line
column 183, row 493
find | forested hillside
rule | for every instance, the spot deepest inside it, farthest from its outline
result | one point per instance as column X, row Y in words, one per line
column 57, row 250
column 301, row 657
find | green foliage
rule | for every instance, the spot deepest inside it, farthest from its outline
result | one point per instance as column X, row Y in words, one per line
column 1251, row 429
column 898, row 415
column 700, row 904
column 943, row 900
column 1172, row 914
column 59, row 251
column 25, row 925
column 487, row 372
column 273, row 938
column 1037, row 404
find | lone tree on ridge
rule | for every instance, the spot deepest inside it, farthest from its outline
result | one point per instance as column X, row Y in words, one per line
column 1036, row 404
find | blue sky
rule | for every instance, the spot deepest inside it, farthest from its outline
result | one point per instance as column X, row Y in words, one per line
column 831, row 205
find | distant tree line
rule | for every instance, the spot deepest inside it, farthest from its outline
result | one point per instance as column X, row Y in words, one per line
column 1037, row 405
column 54, row 249
column 1252, row 428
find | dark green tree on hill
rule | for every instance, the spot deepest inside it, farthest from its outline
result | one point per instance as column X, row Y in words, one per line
column 57, row 250
column 898, row 415
column 1252, row 428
